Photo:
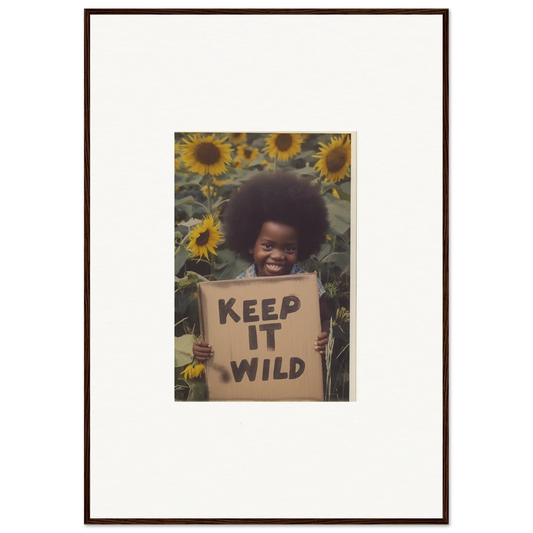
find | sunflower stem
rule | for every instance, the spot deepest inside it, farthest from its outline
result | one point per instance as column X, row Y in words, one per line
column 209, row 206
column 275, row 162
column 328, row 359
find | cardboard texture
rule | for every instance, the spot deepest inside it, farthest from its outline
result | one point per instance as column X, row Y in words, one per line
column 263, row 332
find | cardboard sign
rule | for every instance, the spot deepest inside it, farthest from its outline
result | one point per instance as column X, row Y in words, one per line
column 263, row 332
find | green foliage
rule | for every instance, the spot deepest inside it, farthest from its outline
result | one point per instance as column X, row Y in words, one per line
column 191, row 390
column 332, row 263
column 183, row 350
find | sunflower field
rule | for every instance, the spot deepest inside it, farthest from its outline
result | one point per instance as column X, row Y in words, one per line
column 207, row 168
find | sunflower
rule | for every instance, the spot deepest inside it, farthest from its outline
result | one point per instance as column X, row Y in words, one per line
column 237, row 163
column 246, row 153
column 204, row 191
column 206, row 155
column 219, row 183
column 191, row 371
column 237, row 138
column 284, row 145
column 335, row 159
column 204, row 237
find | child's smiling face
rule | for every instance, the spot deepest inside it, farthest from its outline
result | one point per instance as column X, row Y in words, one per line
column 276, row 249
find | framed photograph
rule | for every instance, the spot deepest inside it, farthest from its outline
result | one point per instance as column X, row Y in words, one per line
column 291, row 167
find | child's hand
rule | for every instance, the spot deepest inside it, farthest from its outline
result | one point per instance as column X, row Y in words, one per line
column 321, row 343
column 202, row 351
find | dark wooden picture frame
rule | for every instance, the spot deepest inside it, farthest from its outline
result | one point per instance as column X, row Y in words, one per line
column 445, row 279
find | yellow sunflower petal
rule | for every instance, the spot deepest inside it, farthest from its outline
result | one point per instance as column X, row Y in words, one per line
column 197, row 370
column 187, row 372
column 206, row 155
column 204, row 237
column 237, row 138
column 334, row 159
column 246, row 153
column 283, row 145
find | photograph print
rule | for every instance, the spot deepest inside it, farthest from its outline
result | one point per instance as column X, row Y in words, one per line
column 262, row 243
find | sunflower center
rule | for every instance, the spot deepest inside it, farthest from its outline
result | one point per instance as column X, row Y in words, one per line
column 207, row 153
column 202, row 238
column 247, row 153
column 336, row 159
column 283, row 141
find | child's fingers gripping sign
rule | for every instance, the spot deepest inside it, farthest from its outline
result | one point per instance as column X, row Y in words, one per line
column 321, row 343
column 202, row 351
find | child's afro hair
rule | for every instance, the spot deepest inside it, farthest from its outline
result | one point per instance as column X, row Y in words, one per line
column 281, row 197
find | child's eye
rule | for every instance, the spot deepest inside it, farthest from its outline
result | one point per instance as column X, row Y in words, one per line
column 267, row 246
column 291, row 249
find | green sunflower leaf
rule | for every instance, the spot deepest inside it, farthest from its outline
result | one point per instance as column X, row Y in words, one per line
column 325, row 250
column 183, row 350
column 338, row 221
column 305, row 155
column 191, row 279
column 307, row 171
column 180, row 256
column 346, row 186
column 187, row 200
column 329, row 187
column 197, row 390
column 339, row 214
column 338, row 259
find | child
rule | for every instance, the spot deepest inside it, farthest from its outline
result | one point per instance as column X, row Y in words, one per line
column 275, row 220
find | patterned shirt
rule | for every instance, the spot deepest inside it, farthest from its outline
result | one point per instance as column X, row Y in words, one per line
column 251, row 272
